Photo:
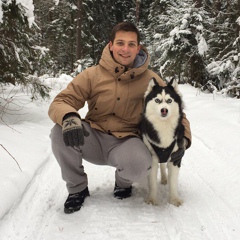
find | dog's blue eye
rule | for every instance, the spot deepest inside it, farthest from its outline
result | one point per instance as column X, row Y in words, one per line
column 158, row 100
column 169, row 100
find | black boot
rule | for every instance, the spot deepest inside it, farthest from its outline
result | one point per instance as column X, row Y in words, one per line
column 75, row 201
column 121, row 193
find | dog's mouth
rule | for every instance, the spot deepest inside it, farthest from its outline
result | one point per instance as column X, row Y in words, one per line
column 164, row 112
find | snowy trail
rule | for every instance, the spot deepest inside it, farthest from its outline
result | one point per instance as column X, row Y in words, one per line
column 208, row 184
column 206, row 213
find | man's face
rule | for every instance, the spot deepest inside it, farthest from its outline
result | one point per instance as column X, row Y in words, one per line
column 125, row 48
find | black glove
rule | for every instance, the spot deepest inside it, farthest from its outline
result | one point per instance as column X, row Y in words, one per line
column 176, row 157
column 73, row 130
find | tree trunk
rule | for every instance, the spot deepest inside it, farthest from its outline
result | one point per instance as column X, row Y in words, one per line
column 72, row 55
column 79, row 30
column 137, row 10
column 238, row 24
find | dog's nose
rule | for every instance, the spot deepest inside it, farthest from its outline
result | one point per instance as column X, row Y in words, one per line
column 164, row 112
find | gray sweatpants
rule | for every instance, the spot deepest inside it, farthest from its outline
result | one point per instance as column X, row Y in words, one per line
column 129, row 156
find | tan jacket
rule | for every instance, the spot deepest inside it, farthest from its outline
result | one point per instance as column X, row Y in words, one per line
column 114, row 96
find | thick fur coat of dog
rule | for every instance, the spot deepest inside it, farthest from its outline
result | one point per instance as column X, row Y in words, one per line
column 163, row 134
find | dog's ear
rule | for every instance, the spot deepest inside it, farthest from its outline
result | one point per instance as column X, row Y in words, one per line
column 153, row 82
column 173, row 83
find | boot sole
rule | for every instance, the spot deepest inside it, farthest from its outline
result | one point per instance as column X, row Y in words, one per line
column 72, row 210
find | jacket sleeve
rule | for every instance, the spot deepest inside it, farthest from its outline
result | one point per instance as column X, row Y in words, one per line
column 187, row 133
column 71, row 99
column 185, row 122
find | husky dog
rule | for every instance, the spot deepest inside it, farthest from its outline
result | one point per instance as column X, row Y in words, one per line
column 163, row 134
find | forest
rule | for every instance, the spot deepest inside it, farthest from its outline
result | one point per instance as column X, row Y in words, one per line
column 195, row 41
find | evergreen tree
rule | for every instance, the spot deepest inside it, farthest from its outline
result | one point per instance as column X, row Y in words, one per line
column 140, row 18
column 102, row 16
column 197, row 41
column 19, row 54
column 178, row 43
column 224, row 58
column 58, row 27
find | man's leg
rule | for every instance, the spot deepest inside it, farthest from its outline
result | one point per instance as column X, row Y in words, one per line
column 70, row 159
column 130, row 156
column 132, row 160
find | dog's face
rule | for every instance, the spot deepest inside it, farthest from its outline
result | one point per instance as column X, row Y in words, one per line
column 162, row 102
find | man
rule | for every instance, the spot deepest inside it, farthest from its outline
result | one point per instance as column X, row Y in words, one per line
column 109, row 134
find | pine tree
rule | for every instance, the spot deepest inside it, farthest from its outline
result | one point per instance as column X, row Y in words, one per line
column 140, row 18
column 178, row 43
column 224, row 58
column 99, row 17
column 18, row 53
column 60, row 24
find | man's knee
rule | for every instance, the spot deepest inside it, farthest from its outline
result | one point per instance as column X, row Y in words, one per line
column 56, row 131
column 56, row 134
column 57, row 142
column 135, row 169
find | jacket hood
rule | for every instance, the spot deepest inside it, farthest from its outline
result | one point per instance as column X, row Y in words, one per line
column 141, row 63
column 140, row 59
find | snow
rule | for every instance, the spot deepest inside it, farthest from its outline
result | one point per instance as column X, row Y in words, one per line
column 185, row 24
column 1, row 12
column 43, row 50
column 184, row 29
column 157, row 35
column 238, row 21
column 202, row 44
column 28, row 10
column 56, row 2
column 32, row 199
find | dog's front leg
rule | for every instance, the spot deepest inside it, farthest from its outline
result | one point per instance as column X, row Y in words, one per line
column 163, row 173
column 173, row 172
column 152, row 182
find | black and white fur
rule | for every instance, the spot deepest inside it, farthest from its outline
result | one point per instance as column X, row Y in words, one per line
column 163, row 133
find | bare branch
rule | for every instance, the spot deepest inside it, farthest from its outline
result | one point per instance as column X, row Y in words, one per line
column 11, row 156
column 10, row 105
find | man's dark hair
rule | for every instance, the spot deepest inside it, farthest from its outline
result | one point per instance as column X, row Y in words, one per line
column 124, row 26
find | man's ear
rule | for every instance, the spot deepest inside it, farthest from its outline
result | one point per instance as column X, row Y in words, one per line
column 139, row 48
column 110, row 45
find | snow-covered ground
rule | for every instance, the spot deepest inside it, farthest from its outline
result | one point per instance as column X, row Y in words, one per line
column 31, row 200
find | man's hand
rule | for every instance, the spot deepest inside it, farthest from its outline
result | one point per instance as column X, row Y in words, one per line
column 176, row 157
column 73, row 130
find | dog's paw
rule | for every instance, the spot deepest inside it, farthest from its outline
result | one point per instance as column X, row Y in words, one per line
column 176, row 202
column 152, row 201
